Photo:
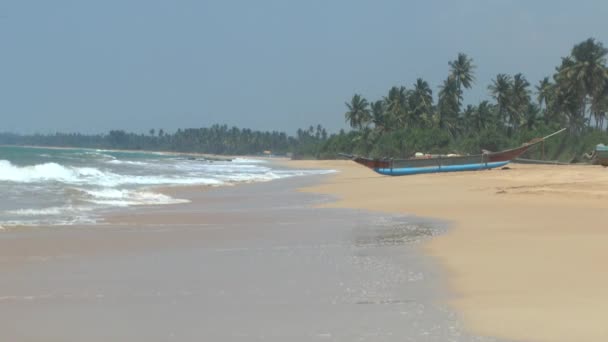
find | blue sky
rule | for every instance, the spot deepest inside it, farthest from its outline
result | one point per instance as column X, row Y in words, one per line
column 92, row 66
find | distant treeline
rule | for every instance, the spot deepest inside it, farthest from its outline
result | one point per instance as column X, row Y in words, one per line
column 408, row 120
column 217, row 139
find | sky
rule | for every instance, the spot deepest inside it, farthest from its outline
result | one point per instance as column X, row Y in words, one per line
column 92, row 66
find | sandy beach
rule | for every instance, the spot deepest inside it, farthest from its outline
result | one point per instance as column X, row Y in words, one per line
column 509, row 255
column 524, row 256
column 255, row 262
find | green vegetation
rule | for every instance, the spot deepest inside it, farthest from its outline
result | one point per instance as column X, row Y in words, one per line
column 217, row 139
column 408, row 120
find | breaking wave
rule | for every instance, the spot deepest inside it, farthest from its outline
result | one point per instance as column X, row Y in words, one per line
column 72, row 187
column 124, row 198
column 53, row 172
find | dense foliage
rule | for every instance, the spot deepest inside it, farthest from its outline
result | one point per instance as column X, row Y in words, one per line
column 408, row 120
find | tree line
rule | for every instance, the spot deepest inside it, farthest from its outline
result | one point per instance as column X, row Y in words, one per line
column 217, row 139
column 408, row 120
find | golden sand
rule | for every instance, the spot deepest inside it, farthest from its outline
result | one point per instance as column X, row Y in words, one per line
column 527, row 254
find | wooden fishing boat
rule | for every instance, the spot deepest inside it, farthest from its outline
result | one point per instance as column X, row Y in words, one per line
column 601, row 153
column 443, row 163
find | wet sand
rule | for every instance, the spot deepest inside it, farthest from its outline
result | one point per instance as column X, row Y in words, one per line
column 525, row 253
column 254, row 262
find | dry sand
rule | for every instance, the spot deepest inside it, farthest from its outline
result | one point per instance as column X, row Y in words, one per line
column 526, row 255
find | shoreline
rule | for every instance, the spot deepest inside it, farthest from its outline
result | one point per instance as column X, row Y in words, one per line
column 249, row 262
column 511, row 235
column 521, row 253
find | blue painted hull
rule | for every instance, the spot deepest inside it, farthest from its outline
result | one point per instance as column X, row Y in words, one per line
column 444, row 168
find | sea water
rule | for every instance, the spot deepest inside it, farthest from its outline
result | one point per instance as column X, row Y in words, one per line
column 46, row 186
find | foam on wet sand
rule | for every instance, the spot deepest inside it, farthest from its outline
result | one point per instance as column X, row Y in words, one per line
column 525, row 254
column 247, row 263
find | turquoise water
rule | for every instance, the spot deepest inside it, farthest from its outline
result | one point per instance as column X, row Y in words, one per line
column 44, row 186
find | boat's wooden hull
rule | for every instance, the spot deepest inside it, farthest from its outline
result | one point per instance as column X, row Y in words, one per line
column 484, row 161
column 404, row 167
column 601, row 152
column 439, row 168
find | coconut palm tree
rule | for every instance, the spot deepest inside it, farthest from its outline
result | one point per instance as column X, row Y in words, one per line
column 500, row 90
column 544, row 92
column 519, row 99
column 483, row 116
column 421, row 103
column 462, row 70
column 470, row 118
column 599, row 106
column 570, row 100
column 397, row 106
column 378, row 116
column 449, row 105
column 586, row 73
column 531, row 117
column 358, row 112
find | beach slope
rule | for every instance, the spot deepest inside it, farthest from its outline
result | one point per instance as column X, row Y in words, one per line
column 525, row 255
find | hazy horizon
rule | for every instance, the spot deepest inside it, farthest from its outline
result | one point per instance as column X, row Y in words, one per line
column 273, row 65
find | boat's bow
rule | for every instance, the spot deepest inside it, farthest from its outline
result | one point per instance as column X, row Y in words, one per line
column 508, row 155
column 371, row 163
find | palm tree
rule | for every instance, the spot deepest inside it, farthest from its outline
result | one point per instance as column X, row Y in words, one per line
column 358, row 112
column 586, row 73
column 378, row 116
column 500, row 90
column 397, row 106
column 470, row 118
column 449, row 105
column 531, row 118
column 482, row 116
column 519, row 99
column 599, row 106
column 462, row 70
column 544, row 92
column 568, row 99
column 421, row 102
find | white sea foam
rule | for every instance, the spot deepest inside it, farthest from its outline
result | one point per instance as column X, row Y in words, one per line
column 196, row 174
column 248, row 161
column 99, row 154
column 37, row 212
column 66, row 215
column 103, row 183
column 126, row 162
column 123, row 198
column 57, row 221
column 88, row 175
column 50, row 210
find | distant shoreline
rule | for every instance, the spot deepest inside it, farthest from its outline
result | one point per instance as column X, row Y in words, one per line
column 194, row 154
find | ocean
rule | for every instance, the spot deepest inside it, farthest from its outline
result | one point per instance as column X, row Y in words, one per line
column 47, row 186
